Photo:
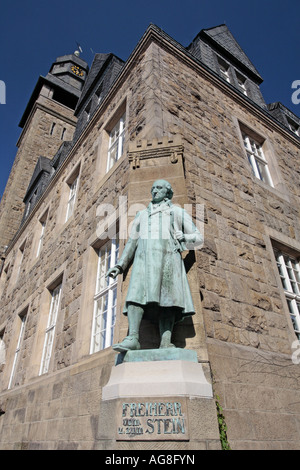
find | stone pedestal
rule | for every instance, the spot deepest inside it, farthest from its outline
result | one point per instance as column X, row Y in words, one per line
column 166, row 401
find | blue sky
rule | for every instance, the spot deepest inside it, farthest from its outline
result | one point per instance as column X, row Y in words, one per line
column 34, row 32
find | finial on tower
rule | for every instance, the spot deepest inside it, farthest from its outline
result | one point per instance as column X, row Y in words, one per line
column 77, row 52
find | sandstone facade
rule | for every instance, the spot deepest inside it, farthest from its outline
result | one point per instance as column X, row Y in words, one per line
column 185, row 124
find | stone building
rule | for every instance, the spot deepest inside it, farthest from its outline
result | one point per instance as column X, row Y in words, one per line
column 92, row 143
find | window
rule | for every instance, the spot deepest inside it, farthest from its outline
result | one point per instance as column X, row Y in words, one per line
column 31, row 202
column 289, row 272
column 241, row 83
column 105, row 298
column 20, row 257
column 256, row 159
column 49, row 334
column 88, row 112
column 52, row 128
column 224, row 69
column 4, row 280
column 63, row 133
column 294, row 127
column 22, row 318
column 72, row 197
column 43, row 225
column 2, row 349
column 116, row 141
column 42, row 222
column 99, row 93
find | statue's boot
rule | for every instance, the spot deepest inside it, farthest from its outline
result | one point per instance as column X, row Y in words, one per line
column 131, row 342
column 166, row 324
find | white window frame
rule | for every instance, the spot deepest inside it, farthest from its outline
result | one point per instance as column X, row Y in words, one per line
column 99, row 93
column 88, row 111
column 2, row 348
column 241, row 83
column 41, row 239
column 289, row 272
column 224, row 69
column 293, row 127
column 256, row 158
column 50, row 330
column 21, row 258
column 116, row 142
column 72, row 197
column 17, row 351
column 104, row 316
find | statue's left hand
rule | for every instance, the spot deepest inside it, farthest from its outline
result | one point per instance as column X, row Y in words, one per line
column 113, row 272
column 179, row 235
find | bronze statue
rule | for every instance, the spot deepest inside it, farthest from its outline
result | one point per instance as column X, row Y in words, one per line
column 158, row 286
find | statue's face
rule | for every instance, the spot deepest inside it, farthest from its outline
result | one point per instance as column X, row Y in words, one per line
column 159, row 191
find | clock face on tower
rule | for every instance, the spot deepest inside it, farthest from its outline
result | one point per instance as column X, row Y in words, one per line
column 78, row 71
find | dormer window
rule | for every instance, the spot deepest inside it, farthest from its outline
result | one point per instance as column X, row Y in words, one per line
column 30, row 203
column 88, row 112
column 224, row 69
column 99, row 93
column 293, row 127
column 241, row 83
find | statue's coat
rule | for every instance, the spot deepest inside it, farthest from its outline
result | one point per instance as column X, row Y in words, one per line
column 158, row 273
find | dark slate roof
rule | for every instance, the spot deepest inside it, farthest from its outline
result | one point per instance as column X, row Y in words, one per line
column 224, row 40
column 53, row 80
column 99, row 63
column 284, row 115
column 43, row 165
column 61, row 154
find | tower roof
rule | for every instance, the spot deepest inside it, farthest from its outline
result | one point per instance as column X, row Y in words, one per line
column 67, row 74
column 222, row 39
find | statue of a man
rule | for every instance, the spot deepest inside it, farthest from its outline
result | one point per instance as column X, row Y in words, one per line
column 158, row 286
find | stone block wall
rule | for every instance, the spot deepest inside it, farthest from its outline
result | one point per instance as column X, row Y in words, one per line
column 246, row 318
column 242, row 326
column 35, row 141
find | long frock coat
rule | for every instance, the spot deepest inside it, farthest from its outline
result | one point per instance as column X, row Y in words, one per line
column 158, row 274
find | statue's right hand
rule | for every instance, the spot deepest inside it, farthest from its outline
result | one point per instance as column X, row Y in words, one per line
column 113, row 272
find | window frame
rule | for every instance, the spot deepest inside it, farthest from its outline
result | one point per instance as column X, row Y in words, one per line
column 224, row 69
column 292, row 293
column 50, row 328
column 293, row 126
column 2, row 348
column 20, row 258
column 23, row 318
column 42, row 221
column 116, row 141
column 88, row 111
column 256, row 158
column 102, row 332
column 73, row 188
column 241, row 81
column 98, row 93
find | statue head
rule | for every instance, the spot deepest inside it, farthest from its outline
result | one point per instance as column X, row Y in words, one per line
column 161, row 189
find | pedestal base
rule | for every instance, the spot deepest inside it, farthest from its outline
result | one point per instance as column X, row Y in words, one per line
column 157, row 378
column 146, row 401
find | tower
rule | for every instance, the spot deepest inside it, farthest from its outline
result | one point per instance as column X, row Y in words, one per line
column 47, row 122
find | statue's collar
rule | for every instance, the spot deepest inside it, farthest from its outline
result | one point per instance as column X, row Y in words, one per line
column 160, row 207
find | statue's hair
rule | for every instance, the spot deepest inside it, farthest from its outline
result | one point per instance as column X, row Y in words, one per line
column 169, row 188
